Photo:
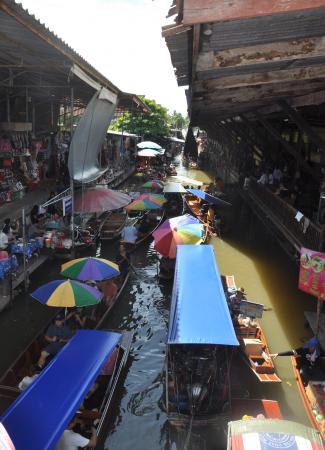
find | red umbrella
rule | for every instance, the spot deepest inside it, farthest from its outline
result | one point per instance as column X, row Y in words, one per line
column 99, row 199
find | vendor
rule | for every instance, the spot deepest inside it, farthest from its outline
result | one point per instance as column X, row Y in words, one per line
column 309, row 362
column 36, row 226
column 10, row 229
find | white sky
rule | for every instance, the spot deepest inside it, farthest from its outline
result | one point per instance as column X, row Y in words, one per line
column 121, row 39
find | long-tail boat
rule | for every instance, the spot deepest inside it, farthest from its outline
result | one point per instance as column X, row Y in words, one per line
column 312, row 397
column 30, row 355
column 112, row 226
column 36, row 418
column 200, row 341
column 157, row 217
column 253, row 343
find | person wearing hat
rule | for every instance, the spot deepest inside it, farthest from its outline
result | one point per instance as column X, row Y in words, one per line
column 309, row 360
column 236, row 299
column 57, row 335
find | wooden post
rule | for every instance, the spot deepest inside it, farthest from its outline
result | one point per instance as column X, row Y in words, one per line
column 319, row 309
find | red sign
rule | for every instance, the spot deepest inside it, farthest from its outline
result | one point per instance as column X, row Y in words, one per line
column 312, row 272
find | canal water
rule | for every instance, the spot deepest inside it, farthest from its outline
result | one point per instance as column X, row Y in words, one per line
column 268, row 276
column 138, row 418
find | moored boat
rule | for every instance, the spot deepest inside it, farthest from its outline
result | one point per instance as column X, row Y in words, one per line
column 112, row 226
column 253, row 343
column 146, row 224
column 90, row 365
column 198, row 354
column 271, row 434
column 29, row 356
column 312, row 396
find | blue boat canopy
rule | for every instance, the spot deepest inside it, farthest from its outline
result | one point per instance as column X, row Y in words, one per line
column 208, row 197
column 39, row 416
column 199, row 312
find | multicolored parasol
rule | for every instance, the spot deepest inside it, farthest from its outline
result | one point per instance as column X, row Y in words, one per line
column 147, row 201
column 179, row 230
column 67, row 293
column 90, row 268
column 153, row 184
column 99, row 199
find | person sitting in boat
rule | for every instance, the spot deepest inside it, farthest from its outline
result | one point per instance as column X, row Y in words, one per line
column 123, row 260
column 77, row 318
column 144, row 226
column 33, row 373
column 109, row 290
column 57, row 335
column 70, row 440
column 129, row 235
column 309, row 362
column 236, row 299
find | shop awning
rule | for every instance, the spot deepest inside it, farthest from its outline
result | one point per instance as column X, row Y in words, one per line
column 38, row 417
column 199, row 312
column 208, row 198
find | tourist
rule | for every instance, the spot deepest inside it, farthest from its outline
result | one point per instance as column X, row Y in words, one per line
column 57, row 335
column 129, row 234
column 70, row 440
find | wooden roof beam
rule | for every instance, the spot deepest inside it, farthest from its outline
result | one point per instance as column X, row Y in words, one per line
column 222, row 10
column 259, row 79
column 291, row 50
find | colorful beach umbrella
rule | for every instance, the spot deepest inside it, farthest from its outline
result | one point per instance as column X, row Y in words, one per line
column 153, row 184
column 67, row 293
column 147, row 201
column 99, row 199
column 179, row 230
column 90, row 268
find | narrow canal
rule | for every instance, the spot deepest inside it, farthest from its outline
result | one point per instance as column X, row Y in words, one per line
column 139, row 421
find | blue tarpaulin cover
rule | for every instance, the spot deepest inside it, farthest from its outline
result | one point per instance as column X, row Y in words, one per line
column 199, row 312
column 208, row 198
column 39, row 416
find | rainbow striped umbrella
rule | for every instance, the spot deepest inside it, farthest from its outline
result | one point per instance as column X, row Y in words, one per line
column 179, row 230
column 67, row 293
column 90, row 268
column 153, row 184
column 147, row 201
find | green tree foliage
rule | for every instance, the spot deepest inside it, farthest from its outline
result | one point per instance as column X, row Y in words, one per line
column 151, row 126
column 177, row 121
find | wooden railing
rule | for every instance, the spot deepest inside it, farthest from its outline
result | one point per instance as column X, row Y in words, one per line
column 311, row 236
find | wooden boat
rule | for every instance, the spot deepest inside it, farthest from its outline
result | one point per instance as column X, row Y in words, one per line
column 194, row 205
column 155, row 223
column 198, row 354
column 112, row 226
column 309, row 399
column 91, row 359
column 253, row 343
column 252, row 407
column 271, row 434
column 20, row 367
